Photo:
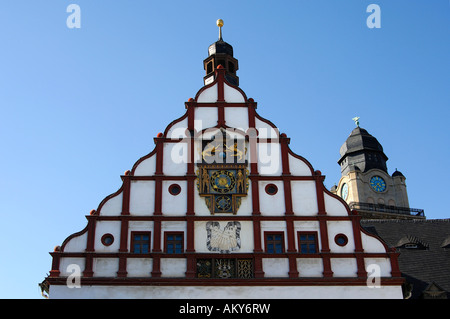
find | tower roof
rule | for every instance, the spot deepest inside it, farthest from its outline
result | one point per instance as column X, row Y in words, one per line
column 363, row 151
column 359, row 140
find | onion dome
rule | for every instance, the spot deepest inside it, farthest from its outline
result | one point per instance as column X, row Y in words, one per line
column 363, row 151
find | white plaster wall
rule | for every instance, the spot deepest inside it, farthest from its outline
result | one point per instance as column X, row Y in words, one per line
column 344, row 267
column 113, row 206
column 382, row 267
column 76, row 244
column 147, row 167
column 271, row 205
column 174, row 205
column 208, row 95
column 310, row 267
column 371, row 244
column 205, row 117
column 298, row 167
column 173, row 267
column 65, row 265
column 304, row 198
column 265, row 130
column 139, row 267
column 107, row 227
column 334, row 207
column 341, row 227
column 175, row 158
column 237, row 117
column 232, row 95
column 142, row 197
column 105, row 267
column 276, row 267
column 227, row 292
column 246, row 235
column 199, row 203
column 269, row 159
column 178, row 130
column 246, row 208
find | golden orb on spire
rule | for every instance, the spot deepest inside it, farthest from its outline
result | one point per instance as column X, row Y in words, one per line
column 219, row 23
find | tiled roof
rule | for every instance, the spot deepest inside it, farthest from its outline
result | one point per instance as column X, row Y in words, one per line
column 428, row 264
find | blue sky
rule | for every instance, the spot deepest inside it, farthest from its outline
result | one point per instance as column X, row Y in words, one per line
column 80, row 106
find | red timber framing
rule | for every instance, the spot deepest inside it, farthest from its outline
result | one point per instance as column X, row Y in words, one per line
column 291, row 252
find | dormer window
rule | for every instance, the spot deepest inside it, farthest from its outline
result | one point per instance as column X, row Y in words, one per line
column 446, row 243
column 411, row 243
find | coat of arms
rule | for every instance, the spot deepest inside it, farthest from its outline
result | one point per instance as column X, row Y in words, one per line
column 222, row 174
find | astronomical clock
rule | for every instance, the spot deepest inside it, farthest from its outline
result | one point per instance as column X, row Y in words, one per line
column 222, row 174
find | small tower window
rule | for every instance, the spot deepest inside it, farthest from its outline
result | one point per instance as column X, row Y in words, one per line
column 231, row 67
column 209, row 68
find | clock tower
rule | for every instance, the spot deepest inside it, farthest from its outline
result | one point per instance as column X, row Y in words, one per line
column 365, row 183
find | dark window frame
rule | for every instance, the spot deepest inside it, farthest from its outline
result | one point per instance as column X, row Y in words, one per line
column 167, row 241
column 308, row 241
column 141, row 242
column 268, row 242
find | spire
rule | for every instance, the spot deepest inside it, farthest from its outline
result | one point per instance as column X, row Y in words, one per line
column 220, row 53
column 220, row 25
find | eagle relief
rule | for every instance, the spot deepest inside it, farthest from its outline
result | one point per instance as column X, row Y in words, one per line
column 223, row 240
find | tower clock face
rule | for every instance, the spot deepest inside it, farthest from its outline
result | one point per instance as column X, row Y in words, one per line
column 378, row 184
column 344, row 191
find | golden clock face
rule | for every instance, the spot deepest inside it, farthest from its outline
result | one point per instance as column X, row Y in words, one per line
column 223, row 181
column 223, row 203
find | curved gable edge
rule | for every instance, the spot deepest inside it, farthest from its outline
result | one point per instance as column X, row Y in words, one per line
column 74, row 235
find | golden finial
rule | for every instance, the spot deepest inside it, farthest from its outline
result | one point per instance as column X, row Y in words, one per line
column 219, row 23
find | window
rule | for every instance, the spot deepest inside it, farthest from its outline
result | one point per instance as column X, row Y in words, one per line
column 174, row 242
column 174, row 189
column 341, row 239
column 107, row 239
column 140, row 242
column 271, row 189
column 307, row 242
column 274, row 242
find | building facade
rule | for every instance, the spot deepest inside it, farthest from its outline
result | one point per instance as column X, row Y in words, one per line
column 223, row 208
column 365, row 183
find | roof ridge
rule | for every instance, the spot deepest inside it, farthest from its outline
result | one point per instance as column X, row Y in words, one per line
column 445, row 220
